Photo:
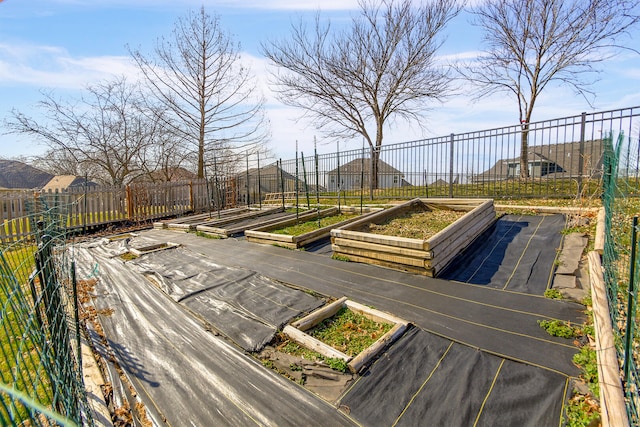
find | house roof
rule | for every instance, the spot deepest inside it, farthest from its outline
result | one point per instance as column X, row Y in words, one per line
column 172, row 174
column 59, row 182
column 566, row 155
column 15, row 174
column 62, row 182
column 266, row 171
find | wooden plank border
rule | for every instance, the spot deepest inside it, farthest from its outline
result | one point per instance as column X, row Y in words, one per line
column 296, row 331
column 613, row 411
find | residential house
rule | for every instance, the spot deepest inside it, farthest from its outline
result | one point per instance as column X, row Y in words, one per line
column 551, row 161
column 356, row 174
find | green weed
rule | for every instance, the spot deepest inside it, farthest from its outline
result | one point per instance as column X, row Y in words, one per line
column 552, row 294
column 558, row 328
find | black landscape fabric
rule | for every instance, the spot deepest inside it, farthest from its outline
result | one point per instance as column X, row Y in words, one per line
column 242, row 304
column 424, row 379
column 516, row 254
column 500, row 322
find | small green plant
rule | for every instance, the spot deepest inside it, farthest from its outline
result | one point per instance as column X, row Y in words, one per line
column 268, row 363
column 295, row 367
column 337, row 364
column 349, row 332
column 587, row 360
column 558, row 328
column 582, row 411
column 553, row 294
column 588, row 330
column 340, row 257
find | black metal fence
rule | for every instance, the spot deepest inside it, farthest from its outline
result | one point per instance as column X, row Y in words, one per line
column 563, row 159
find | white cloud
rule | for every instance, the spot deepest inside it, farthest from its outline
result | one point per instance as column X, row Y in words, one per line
column 239, row 4
column 53, row 67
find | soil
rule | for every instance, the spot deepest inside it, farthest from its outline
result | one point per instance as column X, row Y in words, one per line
column 314, row 375
column 417, row 225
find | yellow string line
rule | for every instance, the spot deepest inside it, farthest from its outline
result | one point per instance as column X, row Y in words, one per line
column 522, row 254
column 564, row 395
column 494, row 248
column 423, row 384
column 493, row 383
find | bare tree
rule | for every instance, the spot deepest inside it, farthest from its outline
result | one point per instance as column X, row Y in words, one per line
column 198, row 76
column 534, row 43
column 353, row 81
column 106, row 132
column 167, row 159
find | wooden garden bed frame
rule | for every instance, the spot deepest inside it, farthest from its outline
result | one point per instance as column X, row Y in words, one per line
column 228, row 228
column 424, row 256
column 191, row 223
column 296, row 332
column 263, row 234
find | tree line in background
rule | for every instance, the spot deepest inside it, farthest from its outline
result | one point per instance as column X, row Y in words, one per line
column 197, row 107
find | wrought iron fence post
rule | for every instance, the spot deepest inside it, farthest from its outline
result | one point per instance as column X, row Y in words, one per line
column 248, row 197
column 297, row 187
column 583, row 123
column 306, row 185
column 282, row 183
column 259, row 182
column 451, row 152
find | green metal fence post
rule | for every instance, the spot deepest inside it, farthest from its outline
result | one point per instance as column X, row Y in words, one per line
column 628, row 350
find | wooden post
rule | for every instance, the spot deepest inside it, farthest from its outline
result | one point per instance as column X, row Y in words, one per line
column 612, row 404
column 191, row 201
column 129, row 202
column 598, row 244
column 451, row 153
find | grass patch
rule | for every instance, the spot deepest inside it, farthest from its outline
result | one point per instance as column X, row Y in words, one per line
column 312, row 225
column 295, row 349
column 207, row 235
column 20, row 335
column 128, row 256
column 349, row 332
column 346, row 331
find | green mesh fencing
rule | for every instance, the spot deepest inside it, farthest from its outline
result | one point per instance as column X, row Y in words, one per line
column 621, row 260
column 41, row 378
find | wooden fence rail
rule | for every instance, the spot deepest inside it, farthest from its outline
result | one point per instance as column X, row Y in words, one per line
column 91, row 207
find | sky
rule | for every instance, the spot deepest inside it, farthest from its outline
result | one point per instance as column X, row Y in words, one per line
column 61, row 46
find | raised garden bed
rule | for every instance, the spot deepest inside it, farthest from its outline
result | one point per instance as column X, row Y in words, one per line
column 239, row 224
column 428, row 254
column 297, row 332
column 214, row 219
column 137, row 251
column 273, row 234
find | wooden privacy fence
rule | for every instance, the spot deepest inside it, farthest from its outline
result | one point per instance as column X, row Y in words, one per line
column 82, row 208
